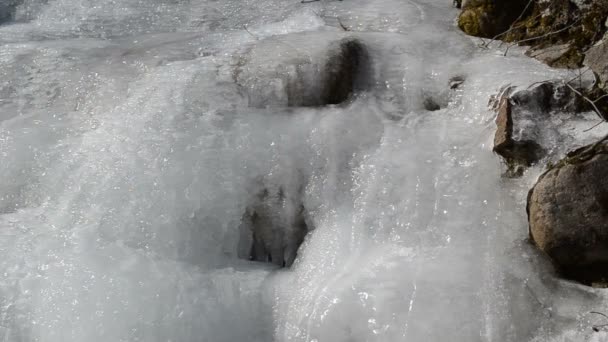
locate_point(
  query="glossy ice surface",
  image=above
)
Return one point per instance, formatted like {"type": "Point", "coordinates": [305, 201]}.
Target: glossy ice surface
{"type": "Point", "coordinates": [128, 155]}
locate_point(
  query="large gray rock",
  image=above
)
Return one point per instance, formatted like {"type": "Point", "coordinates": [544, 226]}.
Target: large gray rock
{"type": "Point", "coordinates": [517, 150]}
{"type": "Point", "coordinates": [550, 55]}
{"type": "Point", "coordinates": [487, 18]}
{"type": "Point", "coordinates": [525, 119]}
{"type": "Point", "coordinates": [568, 214]}
{"type": "Point", "coordinates": [597, 59]}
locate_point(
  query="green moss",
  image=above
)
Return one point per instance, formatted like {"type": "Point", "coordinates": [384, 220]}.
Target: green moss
{"type": "Point", "coordinates": [547, 21]}
{"type": "Point", "coordinates": [582, 154]}
{"type": "Point", "coordinates": [488, 18]}
{"type": "Point", "coordinates": [469, 23]}
{"type": "Point", "coordinates": [573, 59]}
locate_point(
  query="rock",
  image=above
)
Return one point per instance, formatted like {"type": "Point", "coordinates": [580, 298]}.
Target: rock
{"type": "Point", "coordinates": [550, 96]}
{"type": "Point", "coordinates": [518, 151]}
{"type": "Point", "coordinates": [578, 24]}
{"type": "Point", "coordinates": [568, 214]}
{"type": "Point", "coordinates": [559, 31]}
{"type": "Point", "coordinates": [520, 116]}
{"type": "Point", "coordinates": [303, 70]}
{"type": "Point", "coordinates": [488, 18]}
{"type": "Point", "coordinates": [558, 56]}
{"type": "Point", "coordinates": [597, 59]}
{"type": "Point", "coordinates": [273, 228]}
{"type": "Point", "coordinates": [455, 82]}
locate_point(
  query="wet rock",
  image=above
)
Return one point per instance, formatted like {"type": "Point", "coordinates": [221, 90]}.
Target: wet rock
{"type": "Point", "coordinates": [518, 151]}
{"type": "Point", "coordinates": [568, 214]}
{"type": "Point", "coordinates": [273, 228]}
{"type": "Point", "coordinates": [597, 59]}
{"type": "Point", "coordinates": [550, 96]}
{"type": "Point", "coordinates": [560, 31]}
{"type": "Point", "coordinates": [488, 18]}
{"type": "Point", "coordinates": [521, 117]}
{"type": "Point", "coordinates": [303, 70]}
{"type": "Point", "coordinates": [553, 55]}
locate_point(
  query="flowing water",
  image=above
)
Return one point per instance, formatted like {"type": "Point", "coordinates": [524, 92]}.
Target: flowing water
{"type": "Point", "coordinates": [129, 154]}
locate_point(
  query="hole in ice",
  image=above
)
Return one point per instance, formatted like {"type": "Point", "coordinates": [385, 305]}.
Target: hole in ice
{"type": "Point", "coordinates": [304, 72]}
{"type": "Point", "coordinates": [8, 9]}
{"type": "Point", "coordinates": [431, 104]}
{"type": "Point", "coordinates": [346, 70]}
{"type": "Point", "coordinates": [273, 227]}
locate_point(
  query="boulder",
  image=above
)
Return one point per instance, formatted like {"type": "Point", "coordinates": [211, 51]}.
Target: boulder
{"type": "Point", "coordinates": [518, 152]}
{"type": "Point", "coordinates": [303, 70]}
{"type": "Point", "coordinates": [488, 18]}
{"type": "Point", "coordinates": [558, 56]}
{"type": "Point", "coordinates": [597, 59]}
{"type": "Point", "coordinates": [568, 214]}
{"type": "Point", "coordinates": [522, 114]}
{"type": "Point", "coordinates": [558, 31]}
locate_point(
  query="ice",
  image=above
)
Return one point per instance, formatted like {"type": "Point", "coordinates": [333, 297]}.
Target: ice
{"type": "Point", "coordinates": [130, 154]}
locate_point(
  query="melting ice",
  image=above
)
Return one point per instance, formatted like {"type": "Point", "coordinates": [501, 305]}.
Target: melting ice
{"type": "Point", "coordinates": [130, 154]}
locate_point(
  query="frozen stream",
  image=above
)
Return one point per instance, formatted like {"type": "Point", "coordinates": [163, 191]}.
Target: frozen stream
{"type": "Point", "coordinates": [128, 155]}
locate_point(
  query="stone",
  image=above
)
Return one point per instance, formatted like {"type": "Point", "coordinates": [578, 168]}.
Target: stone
{"type": "Point", "coordinates": [559, 31]}
{"type": "Point", "coordinates": [488, 18]}
{"type": "Point", "coordinates": [552, 55]}
{"type": "Point", "coordinates": [455, 82]}
{"type": "Point", "coordinates": [568, 214]}
{"type": "Point", "coordinates": [524, 122]}
{"type": "Point", "coordinates": [518, 153]}
{"type": "Point", "coordinates": [597, 59]}
{"type": "Point", "coordinates": [550, 96]}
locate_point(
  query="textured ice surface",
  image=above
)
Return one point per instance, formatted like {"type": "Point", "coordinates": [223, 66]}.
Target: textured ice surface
{"type": "Point", "coordinates": [129, 155]}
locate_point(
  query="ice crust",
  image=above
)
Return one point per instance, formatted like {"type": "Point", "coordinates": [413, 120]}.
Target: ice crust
{"type": "Point", "coordinates": [129, 155]}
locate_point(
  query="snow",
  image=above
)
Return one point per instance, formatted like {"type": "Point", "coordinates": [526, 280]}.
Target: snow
{"type": "Point", "coordinates": [129, 155]}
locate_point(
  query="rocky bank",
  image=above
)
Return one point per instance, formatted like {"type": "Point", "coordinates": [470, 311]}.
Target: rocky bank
{"type": "Point", "coordinates": [568, 206]}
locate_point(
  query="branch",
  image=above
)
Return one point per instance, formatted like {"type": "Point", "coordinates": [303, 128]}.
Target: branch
{"type": "Point", "coordinates": [592, 127]}
{"type": "Point", "coordinates": [596, 110]}
{"type": "Point", "coordinates": [596, 327]}
{"type": "Point", "coordinates": [253, 35]}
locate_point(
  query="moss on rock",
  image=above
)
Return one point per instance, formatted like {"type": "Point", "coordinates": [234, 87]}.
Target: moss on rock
{"type": "Point", "coordinates": [557, 22]}
{"type": "Point", "coordinates": [487, 18]}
